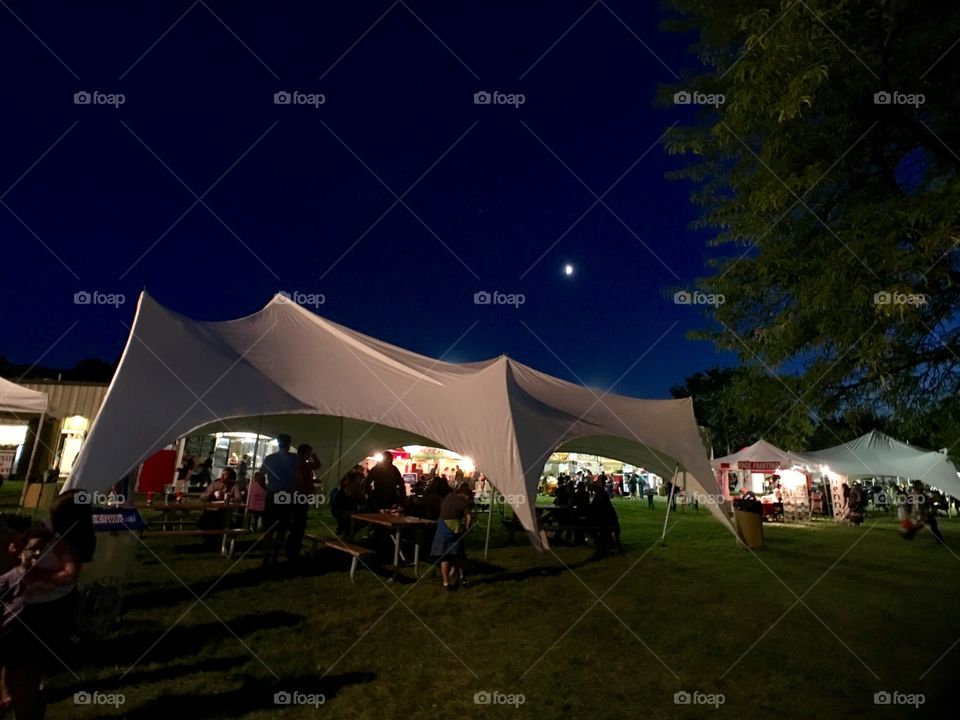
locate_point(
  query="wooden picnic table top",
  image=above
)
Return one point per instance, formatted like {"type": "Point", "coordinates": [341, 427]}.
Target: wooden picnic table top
{"type": "Point", "coordinates": [212, 505]}
{"type": "Point", "coordinates": [392, 521]}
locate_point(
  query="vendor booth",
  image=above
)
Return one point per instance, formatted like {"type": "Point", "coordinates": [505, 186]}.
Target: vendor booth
{"type": "Point", "coordinates": [879, 456]}
{"type": "Point", "coordinates": [779, 478]}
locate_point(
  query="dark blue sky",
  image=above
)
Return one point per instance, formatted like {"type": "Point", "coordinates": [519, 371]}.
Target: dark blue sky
{"type": "Point", "coordinates": [292, 204]}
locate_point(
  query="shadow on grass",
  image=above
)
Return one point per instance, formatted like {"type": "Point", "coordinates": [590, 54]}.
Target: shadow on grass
{"type": "Point", "coordinates": [162, 646]}
{"type": "Point", "coordinates": [237, 580]}
{"type": "Point", "coordinates": [255, 694]}
{"type": "Point", "coordinates": [61, 691]}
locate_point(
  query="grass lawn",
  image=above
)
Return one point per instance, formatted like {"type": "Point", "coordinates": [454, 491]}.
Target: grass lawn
{"type": "Point", "coordinates": [698, 614]}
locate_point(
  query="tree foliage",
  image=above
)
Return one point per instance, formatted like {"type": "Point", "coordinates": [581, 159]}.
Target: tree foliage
{"type": "Point", "coordinates": [837, 215]}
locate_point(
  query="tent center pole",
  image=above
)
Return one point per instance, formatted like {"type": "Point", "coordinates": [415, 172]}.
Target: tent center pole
{"type": "Point", "coordinates": [673, 489]}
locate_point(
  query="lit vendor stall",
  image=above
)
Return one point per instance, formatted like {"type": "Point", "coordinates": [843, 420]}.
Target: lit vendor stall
{"type": "Point", "coordinates": [779, 478]}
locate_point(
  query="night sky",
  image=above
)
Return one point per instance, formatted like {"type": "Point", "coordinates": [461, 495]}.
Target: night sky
{"type": "Point", "coordinates": [298, 197]}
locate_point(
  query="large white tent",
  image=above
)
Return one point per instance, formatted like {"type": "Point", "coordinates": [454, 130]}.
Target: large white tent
{"type": "Point", "coordinates": [878, 455]}
{"type": "Point", "coordinates": [16, 399]}
{"type": "Point", "coordinates": [285, 369]}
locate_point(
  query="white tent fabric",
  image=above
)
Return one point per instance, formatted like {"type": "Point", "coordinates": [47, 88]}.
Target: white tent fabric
{"type": "Point", "coordinates": [18, 399]}
{"type": "Point", "coordinates": [878, 455]}
{"type": "Point", "coordinates": [285, 369]}
{"type": "Point", "coordinates": [760, 452]}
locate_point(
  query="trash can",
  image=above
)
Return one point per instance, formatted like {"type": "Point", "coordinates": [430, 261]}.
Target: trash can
{"type": "Point", "coordinates": [748, 515]}
{"type": "Point", "coordinates": [102, 580]}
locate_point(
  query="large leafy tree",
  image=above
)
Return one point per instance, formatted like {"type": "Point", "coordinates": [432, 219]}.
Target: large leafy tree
{"type": "Point", "coordinates": [740, 405]}
{"type": "Point", "coordinates": [837, 214]}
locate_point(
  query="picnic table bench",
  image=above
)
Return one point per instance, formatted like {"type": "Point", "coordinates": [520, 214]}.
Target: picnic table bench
{"type": "Point", "coordinates": [226, 549]}
{"type": "Point", "coordinates": [334, 543]}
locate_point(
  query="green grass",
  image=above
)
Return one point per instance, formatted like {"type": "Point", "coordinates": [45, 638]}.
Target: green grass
{"type": "Point", "coordinates": [684, 616]}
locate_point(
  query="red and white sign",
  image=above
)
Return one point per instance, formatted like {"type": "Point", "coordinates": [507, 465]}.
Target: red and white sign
{"type": "Point", "coordinates": [6, 462]}
{"type": "Point", "coordinates": [758, 465]}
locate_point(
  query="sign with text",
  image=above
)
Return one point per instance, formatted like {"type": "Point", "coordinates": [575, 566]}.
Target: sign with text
{"type": "Point", "coordinates": [6, 462]}
{"type": "Point", "coordinates": [758, 465]}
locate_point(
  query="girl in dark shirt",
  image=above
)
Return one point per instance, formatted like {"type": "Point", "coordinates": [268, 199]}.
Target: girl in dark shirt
{"type": "Point", "coordinates": [456, 518]}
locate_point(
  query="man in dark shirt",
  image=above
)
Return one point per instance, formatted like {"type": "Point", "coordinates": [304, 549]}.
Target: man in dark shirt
{"type": "Point", "coordinates": [386, 484]}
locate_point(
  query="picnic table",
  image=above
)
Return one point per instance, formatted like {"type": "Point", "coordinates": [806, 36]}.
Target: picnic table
{"type": "Point", "coordinates": [181, 509]}
{"type": "Point", "coordinates": [546, 514]}
{"type": "Point", "coordinates": [396, 524]}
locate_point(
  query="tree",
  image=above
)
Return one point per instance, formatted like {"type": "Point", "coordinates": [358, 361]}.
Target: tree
{"type": "Point", "coordinates": [829, 177]}
{"type": "Point", "coordinates": [741, 405]}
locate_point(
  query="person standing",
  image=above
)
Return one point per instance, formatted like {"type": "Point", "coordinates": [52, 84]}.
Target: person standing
{"type": "Point", "coordinates": [456, 518]}
{"type": "Point", "coordinates": [281, 470]}
{"type": "Point", "coordinates": [301, 500]}
{"type": "Point", "coordinates": [242, 469]}
{"type": "Point", "coordinates": [386, 484]}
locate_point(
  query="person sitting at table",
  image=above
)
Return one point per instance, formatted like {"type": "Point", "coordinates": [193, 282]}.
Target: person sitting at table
{"type": "Point", "coordinates": [347, 499]}
{"type": "Point", "coordinates": [226, 488]}
{"type": "Point", "coordinates": [456, 518]}
{"type": "Point", "coordinates": [579, 513]}
{"type": "Point", "coordinates": [432, 500]}
{"type": "Point", "coordinates": [385, 484]}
